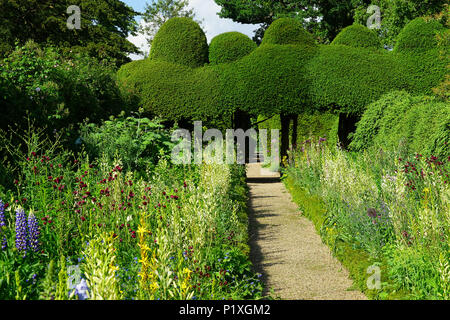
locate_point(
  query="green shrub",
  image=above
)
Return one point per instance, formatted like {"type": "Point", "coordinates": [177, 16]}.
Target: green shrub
{"type": "Point", "coordinates": [418, 35]}
{"type": "Point", "coordinates": [350, 78]}
{"type": "Point", "coordinates": [172, 91]}
{"type": "Point", "coordinates": [408, 123]}
{"type": "Point", "coordinates": [358, 36]}
{"type": "Point", "coordinates": [139, 143]}
{"type": "Point", "coordinates": [56, 91]}
{"type": "Point", "coordinates": [287, 31]}
{"type": "Point", "coordinates": [181, 41]}
{"type": "Point", "coordinates": [268, 81]}
{"type": "Point", "coordinates": [230, 46]}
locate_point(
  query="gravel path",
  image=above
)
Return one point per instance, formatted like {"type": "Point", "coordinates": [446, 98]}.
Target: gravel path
{"type": "Point", "coordinates": [285, 247]}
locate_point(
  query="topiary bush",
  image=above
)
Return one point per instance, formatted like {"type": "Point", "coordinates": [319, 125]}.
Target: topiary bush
{"type": "Point", "coordinates": [348, 79]}
{"type": "Point", "coordinates": [230, 46]}
{"type": "Point", "coordinates": [287, 74]}
{"type": "Point", "coordinates": [181, 41]}
{"type": "Point", "coordinates": [358, 36]}
{"type": "Point", "coordinates": [270, 80]}
{"type": "Point", "coordinates": [287, 31]}
{"type": "Point", "coordinates": [400, 121]}
{"type": "Point", "coordinates": [418, 36]}
{"type": "Point", "coordinates": [172, 91]}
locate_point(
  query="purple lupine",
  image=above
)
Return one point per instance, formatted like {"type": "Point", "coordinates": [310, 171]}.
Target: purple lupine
{"type": "Point", "coordinates": [2, 214]}
{"type": "Point", "coordinates": [2, 224]}
{"type": "Point", "coordinates": [21, 230]}
{"type": "Point", "coordinates": [33, 232]}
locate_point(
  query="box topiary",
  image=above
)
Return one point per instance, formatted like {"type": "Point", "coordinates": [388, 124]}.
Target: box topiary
{"type": "Point", "coordinates": [230, 46]}
{"type": "Point", "coordinates": [358, 36]}
{"type": "Point", "coordinates": [181, 41]}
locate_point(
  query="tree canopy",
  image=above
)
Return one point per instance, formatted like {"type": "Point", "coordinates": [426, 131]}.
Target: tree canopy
{"type": "Point", "coordinates": [105, 26]}
{"type": "Point", "coordinates": [158, 12]}
{"type": "Point", "coordinates": [396, 14]}
{"type": "Point", "coordinates": [323, 18]}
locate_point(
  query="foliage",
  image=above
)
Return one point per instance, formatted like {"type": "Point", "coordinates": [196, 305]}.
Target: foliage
{"type": "Point", "coordinates": [229, 47]}
{"type": "Point", "coordinates": [401, 121]}
{"type": "Point", "coordinates": [324, 19]}
{"type": "Point", "coordinates": [350, 78]}
{"type": "Point", "coordinates": [172, 91]}
{"type": "Point", "coordinates": [358, 36]}
{"type": "Point", "coordinates": [181, 41]}
{"type": "Point", "coordinates": [287, 31]}
{"type": "Point", "coordinates": [396, 14]}
{"type": "Point", "coordinates": [288, 78]}
{"type": "Point", "coordinates": [419, 35]}
{"type": "Point", "coordinates": [268, 81]}
{"type": "Point", "coordinates": [158, 12]}
{"type": "Point", "coordinates": [105, 26]}
{"type": "Point", "coordinates": [139, 142]}
{"type": "Point", "coordinates": [56, 91]}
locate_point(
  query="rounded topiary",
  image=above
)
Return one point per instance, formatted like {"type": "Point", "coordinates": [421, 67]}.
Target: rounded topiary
{"type": "Point", "coordinates": [419, 35]}
{"type": "Point", "coordinates": [181, 41]}
{"type": "Point", "coordinates": [358, 36]}
{"type": "Point", "coordinates": [230, 46]}
{"type": "Point", "coordinates": [405, 123]}
{"type": "Point", "coordinates": [287, 31]}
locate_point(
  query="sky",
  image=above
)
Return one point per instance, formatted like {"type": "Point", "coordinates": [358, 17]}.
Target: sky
{"type": "Point", "coordinates": [205, 10]}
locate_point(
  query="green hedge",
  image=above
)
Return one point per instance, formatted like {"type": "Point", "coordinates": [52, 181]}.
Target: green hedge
{"type": "Point", "coordinates": [287, 31]}
{"type": "Point", "coordinates": [229, 47]}
{"type": "Point", "coordinates": [288, 73]}
{"type": "Point", "coordinates": [349, 78]}
{"type": "Point", "coordinates": [268, 81]}
{"type": "Point", "coordinates": [358, 36]}
{"type": "Point", "coordinates": [181, 41]}
{"type": "Point", "coordinates": [418, 36]}
{"type": "Point", "coordinates": [405, 123]}
{"type": "Point", "coordinates": [172, 91]}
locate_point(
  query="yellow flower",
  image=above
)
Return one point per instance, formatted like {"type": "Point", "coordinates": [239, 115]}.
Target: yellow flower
{"type": "Point", "coordinates": [141, 230]}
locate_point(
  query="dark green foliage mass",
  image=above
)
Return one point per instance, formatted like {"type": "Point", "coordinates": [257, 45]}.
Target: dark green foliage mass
{"type": "Point", "coordinates": [358, 36]}
{"type": "Point", "coordinates": [406, 123]}
{"type": "Point", "coordinates": [172, 91]}
{"type": "Point", "coordinates": [229, 47]}
{"type": "Point", "coordinates": [288, 74]}
{"type": "Point", "coordinates": [105, 26]}
{"type": "Point", "coordinates": [180, 41]}
{"type": "Point", "coordinates": [350, 78]}
{"type": "Point", "coordinates": [56, 91]}
{"type": "Point", "coordinates": [268, 81]}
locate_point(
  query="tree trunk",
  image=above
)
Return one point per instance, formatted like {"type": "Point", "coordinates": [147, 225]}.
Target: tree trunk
{"type": "Point", "coordinates": [285, 121]}
{"type": "Point", "coordinates": [294, 131]}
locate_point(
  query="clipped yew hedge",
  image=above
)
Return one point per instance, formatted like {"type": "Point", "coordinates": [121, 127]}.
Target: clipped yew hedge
{"type": "Point", "coordinates": [287, 74]}
{"type": "Point", "coordinates": [406, 123]}
{"type": "Point", "coordinates": [287, 31]}
{"type": "Point", "coordinates": [358, 36]}
{"type": "Point", "coordinates": [180, 41]}
{"type": "Point", "coordinates": [418, 35]}
{"type": "Point", "coordinates": [229, 47]}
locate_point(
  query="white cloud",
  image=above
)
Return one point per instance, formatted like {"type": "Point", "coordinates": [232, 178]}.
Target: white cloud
{"type": "Point", "coordinates": [213, 25]}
